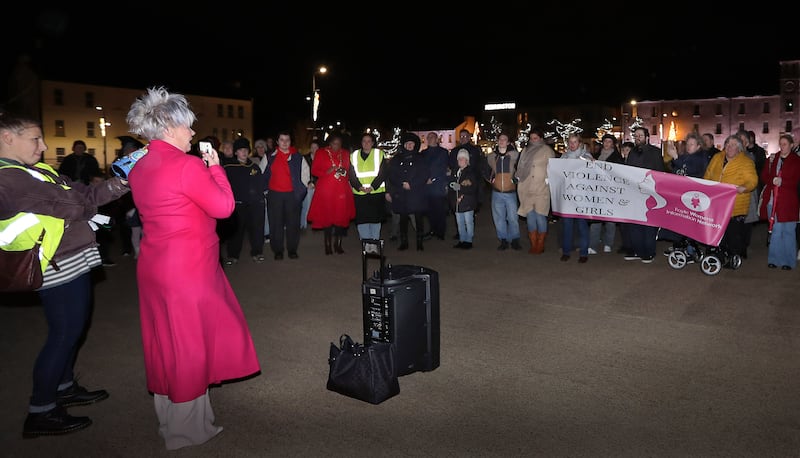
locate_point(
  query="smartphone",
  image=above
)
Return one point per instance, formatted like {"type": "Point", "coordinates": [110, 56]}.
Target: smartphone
{"type": "Point", "coordinates": [205, 147]}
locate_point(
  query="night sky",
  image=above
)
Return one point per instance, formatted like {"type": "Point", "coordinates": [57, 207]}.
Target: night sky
{"type": "Point", "coordinates": [411, 64]}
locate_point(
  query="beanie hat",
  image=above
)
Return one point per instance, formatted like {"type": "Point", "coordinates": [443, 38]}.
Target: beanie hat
{"type": "Point", "coordinates": [241, 142]}
{"type": "Point", "coordinates": [463, 153]}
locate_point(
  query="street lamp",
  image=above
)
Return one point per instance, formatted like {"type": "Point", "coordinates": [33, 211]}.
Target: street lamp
{"type": "Point", "coordinates": [103, 125]}
{"type": "Point", "coordinates": [315, 95]}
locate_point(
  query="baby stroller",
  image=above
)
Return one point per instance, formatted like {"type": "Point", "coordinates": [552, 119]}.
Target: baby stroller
{"type": "Point", "coordinates": [711, 259]}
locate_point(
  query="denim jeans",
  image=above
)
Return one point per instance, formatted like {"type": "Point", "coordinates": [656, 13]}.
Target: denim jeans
{"type": "Point", "coordinates": [66, 309]}
{"type": "Point", "coordinates": [304, 210]}
{"type": "Point", "coordinates": [369, 231]}
{"type": "Point", "coordinates": [537, 222]}
{"type": "Point", "coordinates": [602, 231]}
{"type": "Point", "coordinates": [466, 226]}
{"type": "Point", "coordinates": [569, 225]}
{"type": "Point", "coordinates": [782, 249]}
{"type": "Point", "coordinates": [504, 215]}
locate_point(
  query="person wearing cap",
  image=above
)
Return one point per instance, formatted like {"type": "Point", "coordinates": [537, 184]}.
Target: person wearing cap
{"type": "Point", "coordinates": [463, 196]}
{"type": "Point", "coordinates": [285, 195]}
{"type": "Point", "coordinates": [248, 187]}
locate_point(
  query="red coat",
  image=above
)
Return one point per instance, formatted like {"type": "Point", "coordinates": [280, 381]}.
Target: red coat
{"type": "Point", "coordinates": [194, 332]}
{"type": "Point", "coordinates": [333, 203]}
{"type": "Point", "coordinates": [788, 206]}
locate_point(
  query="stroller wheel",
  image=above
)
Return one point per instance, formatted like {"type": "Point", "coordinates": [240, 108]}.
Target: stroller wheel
{"type": "Point", "coordinates": [736, 261]}
{"type": "Point", "coordinates": [711, 265]}
{"type": "Point", "coordinates": [677, 259]}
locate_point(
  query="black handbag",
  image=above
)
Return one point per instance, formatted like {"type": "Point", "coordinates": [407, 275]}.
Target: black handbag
{"type": "Point", "coordinates": [366, 373]}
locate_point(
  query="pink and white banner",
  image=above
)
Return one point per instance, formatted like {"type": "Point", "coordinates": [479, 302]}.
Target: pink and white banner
{"type": "Point", "coordinates": [696, 208]}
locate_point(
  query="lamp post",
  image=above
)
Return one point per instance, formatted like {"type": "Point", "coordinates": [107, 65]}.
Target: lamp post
{"type": "Point", "coordinates": [103, 125]}
{"type": "Point", "coordinates": [315, 95]}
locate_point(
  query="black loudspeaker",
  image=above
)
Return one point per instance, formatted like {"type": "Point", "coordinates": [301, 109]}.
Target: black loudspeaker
{"type": "Point", "coordinates": [401, 307]}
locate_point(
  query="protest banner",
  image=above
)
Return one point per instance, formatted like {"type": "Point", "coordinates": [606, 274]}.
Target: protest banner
{"type": "Point", "coordinates": [598, 190]}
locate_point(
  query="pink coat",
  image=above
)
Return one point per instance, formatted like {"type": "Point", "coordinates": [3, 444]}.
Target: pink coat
{"type": "Point", "coordinates": [194, 332]}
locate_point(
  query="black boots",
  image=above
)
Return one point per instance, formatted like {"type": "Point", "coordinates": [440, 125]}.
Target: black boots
{"type": "Point", "coordinates": [337, 244]}
{"type": "Point", "coordinates": [53, 422]}
{"type": "Point", "coordinates": [77, 395]}
{"type": "Point", "coordinates": [403, 242]}
{"type": "Point", "coordinates": [420, 238]}
{"type": "Point", "coordinates": [328, 244]}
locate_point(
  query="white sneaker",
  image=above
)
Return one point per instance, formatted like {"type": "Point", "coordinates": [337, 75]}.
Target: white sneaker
{"type": "Point", "coordinates": [591, 251]}
{"type": "Point", "coordinates": [606, 249]}
{"type": "Point", "coordinates": [633, 258]}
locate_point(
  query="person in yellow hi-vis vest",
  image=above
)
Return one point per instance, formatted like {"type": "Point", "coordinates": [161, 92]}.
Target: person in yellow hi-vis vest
{"type": "Point", "coordinates": [33, 196]}
{"type": "Point", "coordinates": [368, 172]}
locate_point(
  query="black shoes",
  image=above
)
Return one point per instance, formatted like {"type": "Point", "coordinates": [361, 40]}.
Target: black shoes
{"type": "Point", "coordinates": [278, 256]}
{"type": "Point", "coordinates": [53, 422]}
{"type": "Point", "coordinates": [515, 245]}
{"type": "Point", "coordinates": [293, 255]}
{"type": "Point", "coordinates": [77, 395]}
{"type": "Point", "coordinates": [503, 246]}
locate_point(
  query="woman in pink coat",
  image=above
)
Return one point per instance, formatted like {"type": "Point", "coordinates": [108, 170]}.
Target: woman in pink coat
{"type": "Point", "coordinates": [194, 332]}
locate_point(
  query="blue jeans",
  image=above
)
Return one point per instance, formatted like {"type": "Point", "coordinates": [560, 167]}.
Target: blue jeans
{"type": "Point", "coordinates": [602, 231]}
{"type": "Point", "coordinates": [583, 236]}
{"type": "Point", "coordinates": [537, 222]}
{"type": "Point", "coordinates": [466, 226]}
{"type": "Point", "coordinates": [782, 249]}
{"type": "Point", "coordinates": [369, 231]}
{"type": "Point", "coordinates": [504, 214]}
{"type": "Point", "coordinates": [304, 210]}
{"type": "Point", "coordinates": [66, 309]}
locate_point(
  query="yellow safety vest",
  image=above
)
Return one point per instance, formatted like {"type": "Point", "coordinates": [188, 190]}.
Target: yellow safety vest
{"type": "Point", "coordinates": [367, 170]}
{"type": "Point", "coordinates": [22, 231]}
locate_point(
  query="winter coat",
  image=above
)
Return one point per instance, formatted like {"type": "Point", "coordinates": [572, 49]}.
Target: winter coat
{"type": "Point", "coordinates": [532, 187]}
{"type": "Point", "coordinates": [408, 166]}
{"type": "Point", "coordinates": [787, 207]}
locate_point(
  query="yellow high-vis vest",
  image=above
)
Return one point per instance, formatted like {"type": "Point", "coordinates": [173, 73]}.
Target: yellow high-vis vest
{"type": "Point", "coordinates": [21, 231]}
{"type": "Point", "coordinates": [367, 170]}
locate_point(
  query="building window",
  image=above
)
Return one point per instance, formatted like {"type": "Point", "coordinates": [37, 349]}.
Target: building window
{"type": "Point", "coordinates": [90, 100]}
{"type": "Point", "coordinates": [653, 113]}
{"type": "Point", "coordinates": [696, 128]}
{"type": "Point", "coordinates": [220, 110]}
{"type": "Point", "coordinates": [230, 111]}
{"type": "Point", "coordinates": [90, 129]}
{"type": "Point", "coordinates": [765, 128]}
{"type": "Point", "coordinates": [215, 132]}
{"type": "Point", "coordinates": [788, 106]}
{"type": "Point", "coordinates": [696, 110]}
{"type": "Point", "coordinates": [60, 153]}
{"type": "Point", "coordinates": [91, 151]}
{"type": "Point", "coordinates": [224, 135]}
{"type": "Point", "coordinates": [58, 97]}
{"type": "Point", "coordinates": [718, 129]}
{"type": "Point", "coordinates": [766, 107]}
{"type": "Point", "coordinates": [60, 129]}
{"type": "Point", "coordinates": [240, 111]}
{"type": "Point", "coordinates": [741, 109]}
{"type": "Point", "coordinates": [718, 110]}
{"type": "Point", "coordinates": [741, 126]}
{"type": "Point", "coordinates": [653, 129]}
{"type": "Point", "coordinates": [788, 126]}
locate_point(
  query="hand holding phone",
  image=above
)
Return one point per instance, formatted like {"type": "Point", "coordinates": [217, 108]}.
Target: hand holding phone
{"type": "Point", "coordinates": [205, 147]}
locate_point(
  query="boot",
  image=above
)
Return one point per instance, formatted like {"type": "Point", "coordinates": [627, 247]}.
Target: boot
{"type": "Point", "coordinates": [532, 236]}
{"type": "Point", "coordinates": [420, 239]}
{"type": "Point", "coordinates": [540, 242]}
{"type": "Point", "coordinates": [337, 245]}
{"type": "Point", "coordinates": [328, 247]}
{"type": "Point", "coordinates": [515, 245]}
{"type": "Point", "coordinates": [403, 242]}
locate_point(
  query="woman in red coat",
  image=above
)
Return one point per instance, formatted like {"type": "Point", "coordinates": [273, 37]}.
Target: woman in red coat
{"type": "Point", "coordinates": [194, 332]}
{"type": "Point", "coordinates": [332, 207]}
{"type": "Point", "coordinates": [779, 200]}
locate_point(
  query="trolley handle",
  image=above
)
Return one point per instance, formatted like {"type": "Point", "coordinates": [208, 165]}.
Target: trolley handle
{"type": "Point", "coordinates": [372, 246]}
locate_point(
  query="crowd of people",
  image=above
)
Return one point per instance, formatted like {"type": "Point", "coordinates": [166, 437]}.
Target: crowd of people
{"type": "Point", "coordinates": [195, 212]}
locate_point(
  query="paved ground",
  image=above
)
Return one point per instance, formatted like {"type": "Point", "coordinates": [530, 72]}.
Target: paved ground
{"type": "Point", "coordinates": [538, 358]}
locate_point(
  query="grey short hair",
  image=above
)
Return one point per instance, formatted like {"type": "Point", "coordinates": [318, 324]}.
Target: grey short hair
{"type": "Point", "coordinates": [158, 110]}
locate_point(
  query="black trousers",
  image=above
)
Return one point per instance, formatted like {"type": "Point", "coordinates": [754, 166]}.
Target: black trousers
{"type": "Point", "coordinates": [247, 219]}
{"type": "Point", "coordinates": [735, 239]}
{"type": "Point", "coordinates": [419, 224]}
{"type": "Point", "coordinates": [437, 214]}
{"type": "Point", "coordinates": [283, 211]}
